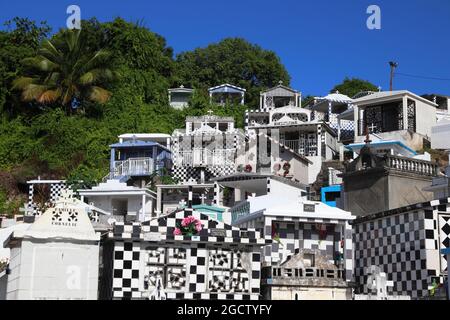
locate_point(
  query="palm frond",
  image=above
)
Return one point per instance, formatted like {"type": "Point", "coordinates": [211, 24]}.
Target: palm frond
{"type": "Point", "coordinates": [99, 95]}
{"type": "Point", "coordinates": [71, 38]}
{"type": "Point", "coordinates": [33, 92]}
{"type": "Point", "coordinates": [96, 75]}
{"type": "Point", "coordinates": [100, 58]}
{"type": "Point", "coordinates": [49, 96]}
{"type": "Point", "coordinates": [67, 97]}
{"type": "Point", "coordinates": [22, 82]}
{"type": "Point", "coordinates": [49, 51]}
{"type": "Point", "coordinates": [39, 62]}
{"type": "Point", "coordinates": [52, 78]}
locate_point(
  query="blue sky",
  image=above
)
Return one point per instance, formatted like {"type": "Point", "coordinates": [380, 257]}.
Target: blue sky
{"type": "Point", "coordinates": [320, 42]}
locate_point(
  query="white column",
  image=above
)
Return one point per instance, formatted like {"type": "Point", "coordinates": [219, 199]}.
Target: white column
{"type": "Point", "coordinates": [143, 207]}
{"type": "Point", "coordinates": [158, 201]}
{"type": "Point", "coordinates": [341, 153]}
{"type": "Point", "coordinates": [202, 176]}
{"type": "Point", "coordinates": [319, 142]}
{"type": "Point", "coordinates": [348, 252]}
{"type": "Point", "coordinates": [405, 112]}
{"type": "Point", "coordinates": [242, 97]}
{"type": "Point", "coordinates": [356, 120]}
{"type": "Point", "coordinates": [329, 111]}
{"type": "Point", "coordinates": [339, 128]}
{"type": "Point", "coordinates": [237, 195]}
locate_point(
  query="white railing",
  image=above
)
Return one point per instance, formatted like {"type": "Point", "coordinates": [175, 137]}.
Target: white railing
{"type": "Point", "coordinates": [292, 144]}
{"type": "Point", "coordinates": [306, 147]}
{"type": "Point", "coordinates": [133, 167]}
{"type": "Point", "coordinates": [412, 165]}
{"type": "Point", "coordinates": [205, 157]}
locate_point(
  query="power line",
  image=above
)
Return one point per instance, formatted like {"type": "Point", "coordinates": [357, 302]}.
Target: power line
{"type": "Point", "coordinates": [421, 77]}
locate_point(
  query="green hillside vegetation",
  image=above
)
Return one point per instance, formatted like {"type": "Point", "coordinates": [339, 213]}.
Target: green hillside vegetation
{"type": "Point", "coordinates": [64, 97]}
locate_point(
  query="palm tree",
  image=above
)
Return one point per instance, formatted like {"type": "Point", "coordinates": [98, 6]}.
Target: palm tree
{"type": "Point", "coordinates": [67, 73]}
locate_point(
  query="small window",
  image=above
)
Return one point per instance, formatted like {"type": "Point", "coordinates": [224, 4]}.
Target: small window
{"type": "Point", "coordinates": [308, 260]}
{"type": "Point", "coordinates": [223, 127]}
{"type": "Point", "coordinates": [332, 196]}
{"type": "Point", "coordinates": [119, 207]}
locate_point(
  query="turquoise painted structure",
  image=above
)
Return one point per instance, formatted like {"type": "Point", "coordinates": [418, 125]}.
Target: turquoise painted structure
{"type": "Point", "coordinates": [214, 212]}
{"type": "Point", "coordinates": [329, 194]}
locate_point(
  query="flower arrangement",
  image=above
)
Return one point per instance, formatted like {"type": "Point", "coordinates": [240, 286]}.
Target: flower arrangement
{"type": "Point", "coordinates": [248, 168]}
{"type": "Point", "coordinates": [321, 230]}
{"type": "Point", "coordinates": [3, 264]}
{"type": "Point", "coordinates": [189, 226]}
{"type": "Point", "coordinates": [286, 167]}
{"type": "Point", "coordinates": [276, 167]}
{"type": "Point", "coordinates": [275, 234]}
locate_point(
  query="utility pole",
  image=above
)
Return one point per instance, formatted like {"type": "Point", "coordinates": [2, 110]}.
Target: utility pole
{"type": "Point", "coordinates": [393, 66]}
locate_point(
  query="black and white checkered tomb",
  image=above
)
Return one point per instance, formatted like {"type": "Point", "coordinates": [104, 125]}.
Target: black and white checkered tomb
{"type": "Point", "coordinates": [405, 244]}
{"type": "Point", "coordinates": [222, 262]}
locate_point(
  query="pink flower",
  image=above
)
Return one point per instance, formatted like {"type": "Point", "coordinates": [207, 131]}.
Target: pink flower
{"type": "Point", "coordinates": [198, 226]}
{"type": "Point", "coordinates": [177, 232]}
{"type": "Point", "coordinates": [187, 221]}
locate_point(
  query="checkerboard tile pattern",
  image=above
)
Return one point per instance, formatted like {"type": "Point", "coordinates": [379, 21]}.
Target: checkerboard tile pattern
{"type": "Point", "coordinates": [444, 238]}
{"type": "Point", "coordinates": [405, 243]}
{"type": "Point", "coordinates": [126, 269]}
{"type": "Point", "coordinates": [302, 233]}
{"type": "Point", "coordinates": [54, 193]}
{"type": "Point", "coordinates": [212, 265]}
{"type": "Point", "coordinates": [187, 174]}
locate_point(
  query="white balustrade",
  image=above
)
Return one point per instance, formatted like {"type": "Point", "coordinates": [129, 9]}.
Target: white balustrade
{"type": "Point", "coordinates": [205, 157]}
{"type": "Point", "coordinates": [412, 165]}
{"type": "Point", "coordinates": [133, 166]}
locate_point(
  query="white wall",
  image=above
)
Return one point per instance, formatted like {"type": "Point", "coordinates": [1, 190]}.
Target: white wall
{"type": "Point", "coordinates": [425, 118]}
{"type": "Point", "coordinates": [134, 203]}
{"type": "Point", "coordinates": [53, 270]}
{"type": "Point", "coordinates": [298, 170]}
{"type": "Point", "coordinates": [440, 135]}
{"type": "Point", "coordinates": [284, 190]}
{"type": "Point", "coordinates": [12, 289]}
{"type": "Point", "coordinates": [314, 168]}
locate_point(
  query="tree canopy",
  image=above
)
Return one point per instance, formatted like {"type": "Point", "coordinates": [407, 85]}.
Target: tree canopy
{"type": "Point", "coordinates": [352, 86]}
{"type": "Point", "coordinates": [234, 61]}
{"type": "Point", "coordinates": [68, 73]}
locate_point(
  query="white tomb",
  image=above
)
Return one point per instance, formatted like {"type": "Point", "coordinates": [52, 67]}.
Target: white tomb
{"type": "Point", "coordinates": [57, 257]}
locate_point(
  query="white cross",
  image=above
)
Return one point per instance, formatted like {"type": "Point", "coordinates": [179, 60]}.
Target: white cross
{"type": "Point", "coordinates": [182, 203]}
{"type": "Point", "coordinates": [203, 198]}
{"type": "Point", "coordinates": [210, 112]}
{"type": "Point", "coordinates": [372, 127]}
